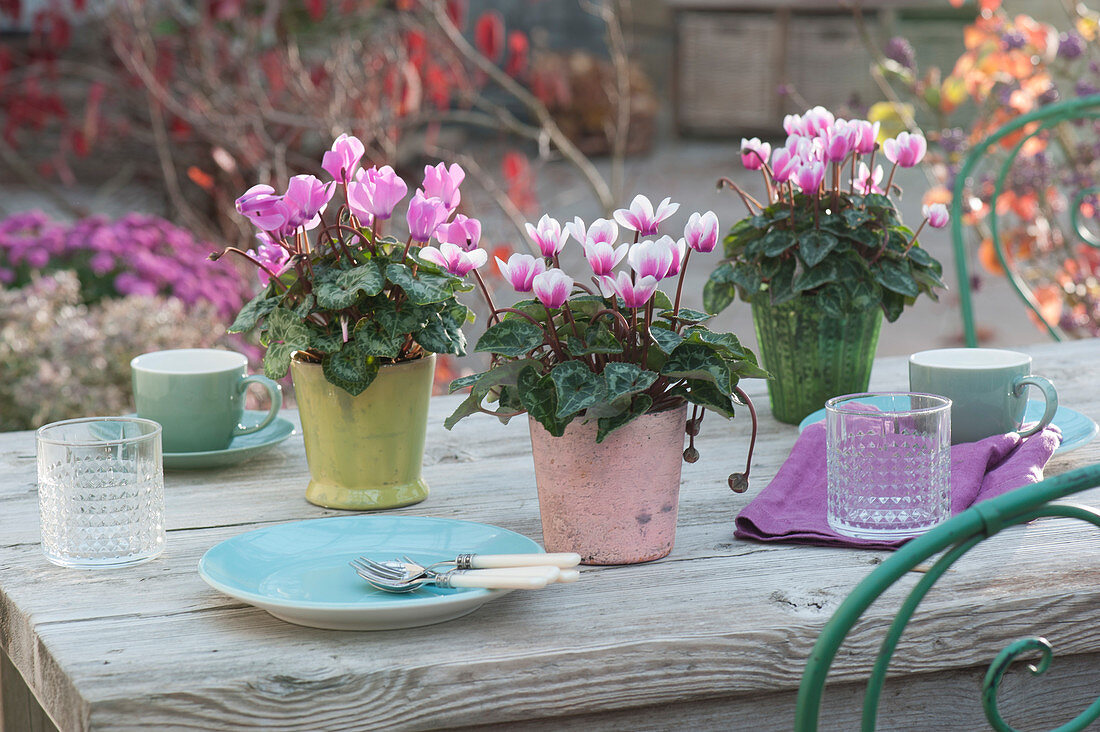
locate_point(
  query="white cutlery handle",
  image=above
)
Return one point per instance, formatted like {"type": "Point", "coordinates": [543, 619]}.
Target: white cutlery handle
{"type": "Point", "coordinates": [494, 561]}
{"type": "Point", "coordinates": [496, 581]}
{"type": "Point", "coordinates": [569, 575]}
{"type": "Point", "coordinates": [552, 574]}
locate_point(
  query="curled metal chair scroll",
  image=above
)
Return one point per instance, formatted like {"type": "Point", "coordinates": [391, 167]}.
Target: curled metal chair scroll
{"type": "Point", "coordinates": [1045, 122]}
{"type": "Point", "coordinates": [954, 538]}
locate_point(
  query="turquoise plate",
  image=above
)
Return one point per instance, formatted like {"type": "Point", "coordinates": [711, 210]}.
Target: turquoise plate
{"type": "Point", "coordinates": [1077, 429]}
{"type": "Point", "coordinates": [240, 449]}
{"type": "Point", "coordinates": [299, 572]}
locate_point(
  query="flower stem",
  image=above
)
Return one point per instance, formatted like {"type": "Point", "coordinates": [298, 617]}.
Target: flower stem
{"type": "Point", "coordinates": [748, 200]}
{"type": "Point", "coordinates": [215, 256]}
{"type": "Point", "coordinates": [890, 182]}
{"type": "Point", "coordinates": [680, 284]}
{"type": "Point", "coordinates": [405, 254]}
{"type": "Point", "coordinates": [488, 298]}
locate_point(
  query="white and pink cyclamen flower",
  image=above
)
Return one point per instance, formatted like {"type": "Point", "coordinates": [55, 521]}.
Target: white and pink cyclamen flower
{"type": "Point", "coordinates": [754, 153]}
{"type": "Point", "coordinates": [701, 231]}
{"type": "Point", "coordinates": [936, 214]}
{"type": "Point", "coordinates": [809, 177]}
{"type": "Point", "coordinates": [634, 294]}
{"type": "Point", "coordinates": [784, 164]}
{"type": "Point", "coordinates": [453, 258]}
{"type": "Point", "coordinates": [520, 270]}
{"type": "Point", "coordinates": [548, 236]}
{"type": "Point", "coordinates": [905, 150]}
{"type": "Point", "coordinates": [641, 216]}
{"type": "Point", "coordinates": [658, 258]}
{"type": "Point", "coordinates": [552, 287]}
{"type": "Point", "coordinates": [865, 182]}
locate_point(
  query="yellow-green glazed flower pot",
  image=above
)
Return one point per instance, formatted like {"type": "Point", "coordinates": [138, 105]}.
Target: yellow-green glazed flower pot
{"type": "Point", "coordinates": [365, 451]}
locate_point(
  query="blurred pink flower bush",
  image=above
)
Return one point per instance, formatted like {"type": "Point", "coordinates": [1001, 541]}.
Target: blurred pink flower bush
{"type": "Point", "coordinates": [135, 255]}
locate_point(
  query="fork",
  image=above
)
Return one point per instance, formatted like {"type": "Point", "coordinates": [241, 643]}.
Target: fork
{"type": "Point", "coordinates": [561, 575]}
{"type": "Point", "coordinates": [387, 579]}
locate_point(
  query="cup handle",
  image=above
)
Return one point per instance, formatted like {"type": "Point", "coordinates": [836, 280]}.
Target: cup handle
{"type": "Point", "coordinates": [1049, 395]}
{"type": "Point", "coordinates": [276, 393]}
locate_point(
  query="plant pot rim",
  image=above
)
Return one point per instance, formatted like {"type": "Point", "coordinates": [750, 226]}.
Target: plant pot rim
{"type": "Point", "coordinates": [409, 363]}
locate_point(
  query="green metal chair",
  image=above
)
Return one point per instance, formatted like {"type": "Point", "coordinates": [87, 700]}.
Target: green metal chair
{"type": "Point", "coordinates": [1045, 119]}
{"type": "Point", "coordinates": [954, 538]}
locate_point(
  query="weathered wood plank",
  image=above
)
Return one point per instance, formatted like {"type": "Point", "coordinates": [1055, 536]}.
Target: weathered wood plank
{"type": "Point", "coordinates": [717, 632]}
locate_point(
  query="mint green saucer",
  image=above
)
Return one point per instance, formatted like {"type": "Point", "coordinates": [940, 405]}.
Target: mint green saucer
{"type": "Point", "coordinates": [240, 449]}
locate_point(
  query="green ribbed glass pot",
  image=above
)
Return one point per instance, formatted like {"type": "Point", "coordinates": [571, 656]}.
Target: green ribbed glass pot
{"type": "Point", "coordinates": [813, 356]}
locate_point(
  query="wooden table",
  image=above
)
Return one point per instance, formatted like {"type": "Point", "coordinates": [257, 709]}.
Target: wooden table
{"type": "Point", "coordinates": [715, 636]}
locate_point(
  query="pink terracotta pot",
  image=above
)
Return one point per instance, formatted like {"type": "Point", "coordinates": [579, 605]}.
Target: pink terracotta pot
{"type": "Point", "coordinates": [613, 502]}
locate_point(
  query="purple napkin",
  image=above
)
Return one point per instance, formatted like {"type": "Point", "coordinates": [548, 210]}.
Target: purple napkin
{"type": "Point", "coordinates": [792, 507]}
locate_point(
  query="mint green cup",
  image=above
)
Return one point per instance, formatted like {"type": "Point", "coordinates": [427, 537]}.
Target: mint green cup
{"type": "Point", "coordinates": [987, 388]}
{"type": "Point", "coordinates": [197, 396]}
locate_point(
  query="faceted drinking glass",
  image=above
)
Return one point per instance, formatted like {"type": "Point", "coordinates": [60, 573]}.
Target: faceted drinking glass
{"type": "Point", "coordinates": [101, 491]}
{"type": "Point", "coordinates": [889, 464]}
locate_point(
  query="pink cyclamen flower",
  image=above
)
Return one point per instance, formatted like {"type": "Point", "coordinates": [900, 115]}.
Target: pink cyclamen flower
{"type": "Point", "coordinates": [701, 232]}
{"type": "Point", "coordinates": [552, 287]}
{"type": "Point", "coordinates": [792, 124]}
{"type": "Point", "coordinates": [461, 231]}
{"type": "Point", "coordinates": [266, 210]}
{"type": "Point", "coordinates": [642, 218]}
{"type": "Point", "coordinates": [837, 139]}
{"type": "Point", "coordinates": [809, 177]}
{"type": "Point", "coordinates": [906, 149]}
{"type": "Point", "coordinates": [375, 192]}
{"type": "Point", "coordinates": [577, 229]}
{"type": "Point", "coordinates": [272, 256]}
{"type": "Point", "coordinates": [936, 214]}
{"type": "Point", "coordinates": [815, 121]}
{"type": "Point", "coordinates": [442, 183]}
{"type": "Point", "coordinates": [341, 161]}
{"type": "Point", "coordinates": [602, 231]}
{"type": "Point", "coordinates": [548, 235]}
{"type": "Point", "coordinates": [649, 258]}
{"type": "Point", "coordinates": [784, 164]}
{"type": "Point", "coordinates": [425, 215]}
{"type": "Point", "coordinates": [754, 153]}
{"type": "Point", "coordinates": [454, 258]}
{"type": "Point", "coordinates": [865, 182]}
{"type": "Point", "coordinates": [520, 270]}
{"type": "Point", "coordinates": [866, 136]}
{"type": "Point", "coordinates": [679, 250]}
{"type": "Point", "coordinates": [634, 294]}
{"type": "Point", "coordinates": [603, 256]}
{"type": "Point", "coordinates": [806, 149]}
{"type": "Point", "coordinates": [308, 198]}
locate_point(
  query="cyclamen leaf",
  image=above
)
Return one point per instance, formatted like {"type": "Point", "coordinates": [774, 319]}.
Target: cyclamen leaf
{"type": "Point", "coordinates": [777, 241]}
{"type": "Point", "coordinates": [705, 394]}
{"type": "Point", "coordinates": [698, 361]}
{"type": "Point", "coordinates": [598, 338]}
{"type": "Point", "coordinates": [727, 343]}
{"type": "Point", "coordinates": [424, 287]}
{"type": "Point", "coordinates": [719, 291]}
{"type": "Point", "coordinates": [814, 246]}
{"type": "Point", "coordinates": [896, 278]}
{"type": "Point", "coordinates": [277, 360]}
{"type": "Point", "coordinates": [687, 315]}
{"type": "Point", "coordinates": [510, 338]}
{"type": "Point", "coordinates": [665, 338]}
{"type": "Point", "coordinates": [350, 369]}
{"type": "Point", "coordinates": [625, 378]}
{"type": "Point", "coordinates": [638, 406]}
{"type": "Point", "coordinates": [252, 311]}
{"type": "Point", "coordinates": [577, 387]}
{"type": "Point", "coordinates": [538, 395]}
{"type": "Point", "coordinates": [815, 276]}
{"type": "Point", "coordinates": [285, 328]}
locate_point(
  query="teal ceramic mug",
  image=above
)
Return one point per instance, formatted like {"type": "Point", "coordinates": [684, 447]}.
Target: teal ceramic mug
{"type": "Point", "coordinates": [197, 396]}
{"type": "Point", "coordinates": [987, 388]}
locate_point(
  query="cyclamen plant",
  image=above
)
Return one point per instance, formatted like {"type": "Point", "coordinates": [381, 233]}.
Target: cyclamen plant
{"type": "Point", "coordinates": [837, 239]}
{"type": "Point", "coordinates": [349, 297]}
{"type": "Point", "coordinates": [617, 349]}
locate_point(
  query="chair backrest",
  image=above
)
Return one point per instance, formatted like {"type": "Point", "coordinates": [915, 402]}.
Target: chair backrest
{"type": "Point", "coordinates": [955, 538]}
{"type": "Point", "coordinates": [1017, 134]}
